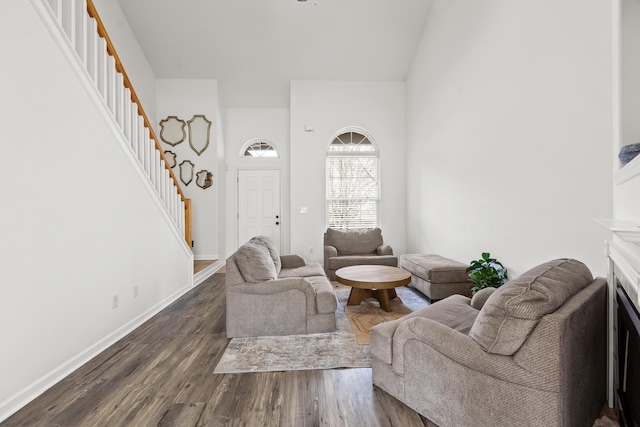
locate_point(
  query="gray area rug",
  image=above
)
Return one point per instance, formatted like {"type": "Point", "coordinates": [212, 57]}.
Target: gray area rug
{"type": "Point", "coordinates": [331, 350]}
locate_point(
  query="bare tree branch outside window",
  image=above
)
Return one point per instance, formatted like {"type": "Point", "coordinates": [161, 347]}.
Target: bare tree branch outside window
{"type": "Point", "coordinates": [353, 188]}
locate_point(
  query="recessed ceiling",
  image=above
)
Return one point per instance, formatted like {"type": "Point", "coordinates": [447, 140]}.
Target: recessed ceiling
{"type": "Point", "coordinates": [254, 48]}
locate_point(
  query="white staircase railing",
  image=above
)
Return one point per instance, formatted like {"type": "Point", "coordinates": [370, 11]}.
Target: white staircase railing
{"type": "Point", "coordinates": [88, 42]}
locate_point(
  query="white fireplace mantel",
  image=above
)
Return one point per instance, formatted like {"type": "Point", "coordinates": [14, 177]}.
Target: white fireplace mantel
{"type": "Point", "coordinates": [626, 230]}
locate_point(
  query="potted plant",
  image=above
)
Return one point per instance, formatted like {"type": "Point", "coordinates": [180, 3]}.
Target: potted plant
{"type": "Point", "coordinates": [487, 272]}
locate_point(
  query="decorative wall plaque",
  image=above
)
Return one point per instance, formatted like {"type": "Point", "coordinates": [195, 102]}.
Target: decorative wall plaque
{"type": "Point", "coordinates": [171, 158]}
{"type": "Point", "coordinates": [186, 172]}
{"type": "Point", "coordinates": [199, 128]}
{"type": "Point", "coordinates": [172, 130]}
{"type": "Point", "coordinates": [204, 179]}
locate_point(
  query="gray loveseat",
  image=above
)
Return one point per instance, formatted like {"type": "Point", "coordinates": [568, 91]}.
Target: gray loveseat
{"type": "Point", "coordinates": [269, 294]}
{"type": "Point", "coordinates": [364, 246]}
{"type": "Point", "coordinates": [531, 353]}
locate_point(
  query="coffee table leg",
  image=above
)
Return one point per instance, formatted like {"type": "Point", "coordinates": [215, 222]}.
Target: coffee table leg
{"type": "Point", "coordinates": [357, 295]}
{"type": "Point", "coordinates": [383, 297]}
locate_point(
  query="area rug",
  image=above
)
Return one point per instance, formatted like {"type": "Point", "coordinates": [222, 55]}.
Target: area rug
{"type": "Point", "coordinates": [337, 349]}
{"type": "Point", "coordinates": [368, 314]}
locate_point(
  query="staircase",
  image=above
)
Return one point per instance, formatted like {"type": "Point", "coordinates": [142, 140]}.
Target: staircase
{"type": "Point", "coordinates": [77, 26]}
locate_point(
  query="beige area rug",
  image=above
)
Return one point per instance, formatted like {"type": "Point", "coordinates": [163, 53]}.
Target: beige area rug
{"type": "Point", "coordinates": [368, 314]}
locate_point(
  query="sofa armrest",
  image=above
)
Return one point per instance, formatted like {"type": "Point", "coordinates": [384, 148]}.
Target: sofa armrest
{"type": "Point", "coordinates": [384, 250]}
{"type": "Point", "coordinates": [292, 261]}
{"type": "Point", "coordinates": [330, 251]}
{"type": "Point", "coordinates": [478, 300]}
{"type": "Point", "coordinates": [456, 347]}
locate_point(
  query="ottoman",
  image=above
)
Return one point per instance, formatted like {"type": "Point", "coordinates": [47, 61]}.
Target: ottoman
{"type": "Point", "coordinates": [435, 276]}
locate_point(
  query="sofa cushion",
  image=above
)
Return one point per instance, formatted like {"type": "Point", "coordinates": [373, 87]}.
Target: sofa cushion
{"type": "Point", "coordinates": [311, 269]}
{"type": "Point", "coordinates": [357, 241]}
{"type": "Point", "coordinates": [346, 261]}
{"type": "Point", "coordinates": [512, 312]}
{"type": "Point", "coordinates": [271, 247]}
{"type": "Point", "coordinates": [435, 268]}
{"type": "Point", "coordinates": [255, 263]}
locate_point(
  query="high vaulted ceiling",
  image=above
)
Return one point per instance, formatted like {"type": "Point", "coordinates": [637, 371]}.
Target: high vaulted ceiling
{"type": "Point", "coordinates": [254, 48]}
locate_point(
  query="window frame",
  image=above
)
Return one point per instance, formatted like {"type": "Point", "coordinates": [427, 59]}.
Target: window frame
{"type": "Point", "coordinates": [374, 153]}
{"type": "Point", "coordinates": [248, 144]}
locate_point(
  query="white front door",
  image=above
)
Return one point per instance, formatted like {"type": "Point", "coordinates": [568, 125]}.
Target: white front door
{"type": "Point", "coordinates": [259, 205]}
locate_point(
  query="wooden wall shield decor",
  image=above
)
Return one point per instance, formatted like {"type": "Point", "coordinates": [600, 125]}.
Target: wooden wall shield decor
{"type": "Point", "coordinates": [199, 128]}
{"type": "Point", "coordinates": [171, 158]}
{"type": "Point", "coordinates": [204, 179]}
{"type": "Point", "coordinates": [186, 171]}
{"type": "Point", "coordinates": [172, 130]}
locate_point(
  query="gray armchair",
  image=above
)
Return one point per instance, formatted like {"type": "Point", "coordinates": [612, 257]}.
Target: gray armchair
{"type": "Point", "coordinates": [364, 246]}
{"type": "Point", "coordinates": [531, 353]}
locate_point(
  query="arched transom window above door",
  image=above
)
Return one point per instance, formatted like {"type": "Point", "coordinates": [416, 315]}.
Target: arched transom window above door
{"type": "Point", "coordinates": [258, 148]}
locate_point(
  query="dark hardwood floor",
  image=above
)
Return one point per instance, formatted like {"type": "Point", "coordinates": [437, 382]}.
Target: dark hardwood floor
{"type": "Point", "coordinates": [162, 375]}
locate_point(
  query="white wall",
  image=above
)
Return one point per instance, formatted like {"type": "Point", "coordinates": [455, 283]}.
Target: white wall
{"type": "Point", "coordinates": [78, 222]}
{"type": "Point", "coordinates": [221, 175]}
{"type": "Point", "coordinates": [130, 53]}
{"type": "Point", "coordinates": [509, 122]}
{"type": "Point", "coordinates": [184, 99]}
{"type": "Point", "coordinates": [242, 125]}
{"type": "Point", "coordinates": [378, 107]}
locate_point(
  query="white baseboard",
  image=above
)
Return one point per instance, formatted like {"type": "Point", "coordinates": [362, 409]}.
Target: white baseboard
{"type": "Point", "coordinates": [205, 273]}
{"type": "Point", "coordinates": [204, 257]}
{"type": "Point", "coordinates": [32, 391]}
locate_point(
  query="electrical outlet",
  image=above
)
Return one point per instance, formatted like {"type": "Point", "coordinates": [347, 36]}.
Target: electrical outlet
{"type": "Point", "coordinates": [310, 250]}
{"type": "Point", "coordinates": [135, 291]}
{"type": "Point", "coordinates": [115, 300]}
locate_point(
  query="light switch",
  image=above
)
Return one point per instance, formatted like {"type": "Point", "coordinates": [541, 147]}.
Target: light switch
{"type": "Point", "coordinates": [304, 210]}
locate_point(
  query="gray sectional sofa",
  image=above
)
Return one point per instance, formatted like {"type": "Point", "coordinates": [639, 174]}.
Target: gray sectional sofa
{"type": "Point", "coordinates": [269, 294]}
{"type": "Point", "coordinates": [530, 353]}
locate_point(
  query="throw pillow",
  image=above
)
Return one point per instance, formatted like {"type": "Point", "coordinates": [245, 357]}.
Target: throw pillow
{"type": "Point", "coordinates": [255, 263]}
{"type": "Point", "coordinates": [512, 312]}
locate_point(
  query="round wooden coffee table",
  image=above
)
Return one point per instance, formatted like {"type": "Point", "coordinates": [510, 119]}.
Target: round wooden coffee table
{"type": "Point", "coordinates": [378, 281]}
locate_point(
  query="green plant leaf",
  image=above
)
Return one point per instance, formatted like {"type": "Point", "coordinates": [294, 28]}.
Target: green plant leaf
{"type": "Point", "coordinates": [486, 272]}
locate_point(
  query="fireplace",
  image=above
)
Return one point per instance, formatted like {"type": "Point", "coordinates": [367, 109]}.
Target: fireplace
{"type": "Point", "coordinates": [628, 367]}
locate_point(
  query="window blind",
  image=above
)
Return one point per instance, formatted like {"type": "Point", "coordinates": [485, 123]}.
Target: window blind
{"type": "Point", "coordinates": [353, 191]}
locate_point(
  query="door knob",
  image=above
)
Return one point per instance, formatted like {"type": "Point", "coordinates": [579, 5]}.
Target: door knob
{"type": "Point", "coordinates": [277, 216]}
{"type": "Point", "coordinates": [277, 222]}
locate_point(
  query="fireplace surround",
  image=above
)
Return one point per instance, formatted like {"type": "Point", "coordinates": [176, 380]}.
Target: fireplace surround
{"type": "Point", "coordinates": [627, 378]}
{"type": "Point", "coordinates": [624, 333]}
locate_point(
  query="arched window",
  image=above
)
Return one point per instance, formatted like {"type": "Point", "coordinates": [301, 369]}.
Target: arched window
{"type": "Point", "coordinates": [353, 184]}
{"type": "Point", "coordinates": [258, 148]}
